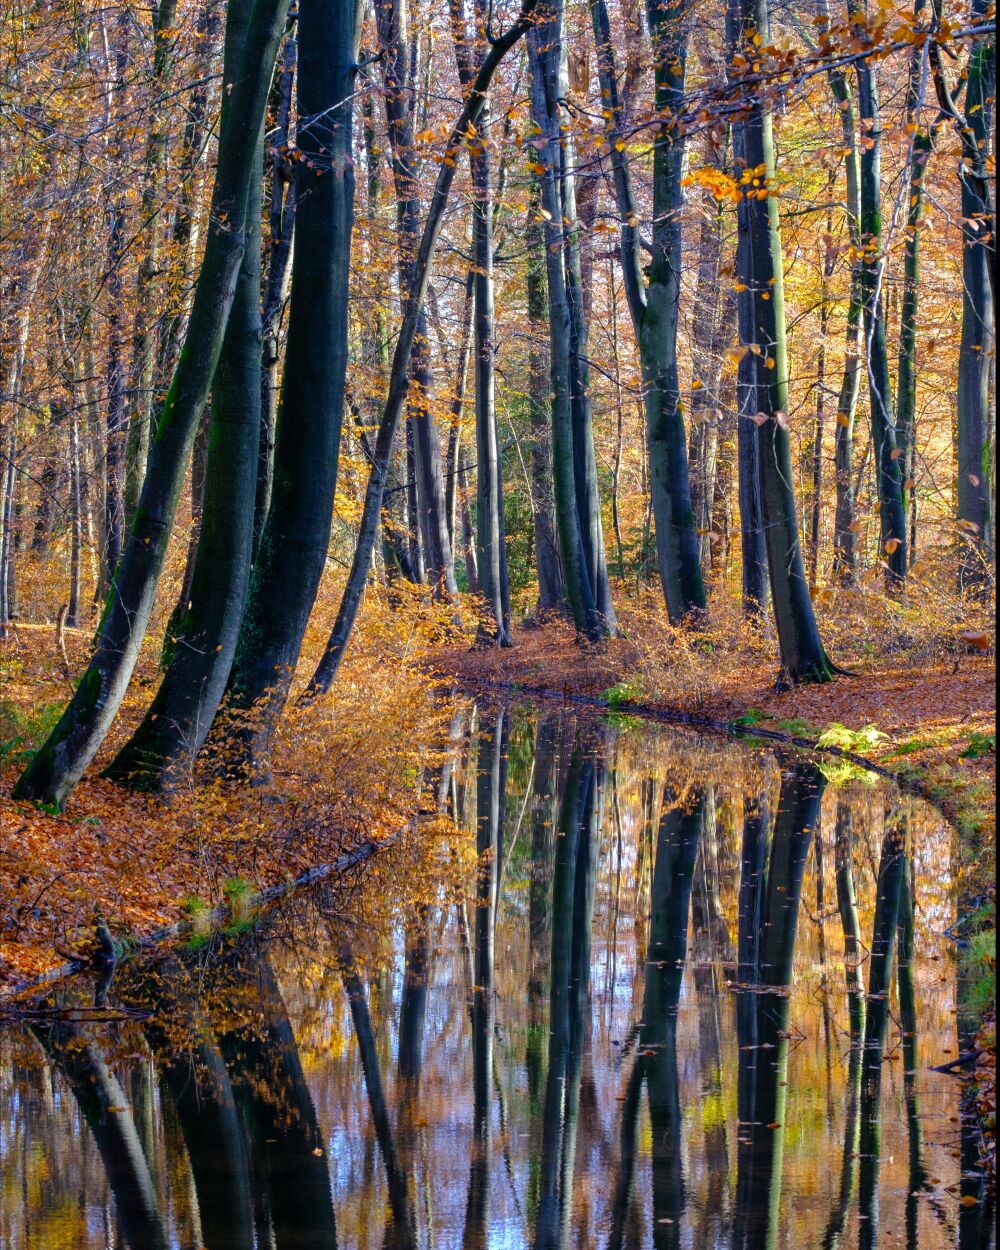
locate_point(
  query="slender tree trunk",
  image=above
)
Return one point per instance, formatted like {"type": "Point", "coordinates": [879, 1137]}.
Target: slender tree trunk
{"type": "Point", "coordinates": [551, 593]}
{"type": "Point", "coordinates": [759, 264]}
{"type": "Point", "coordinates": [281, 235]}
{"type": "Point", "coordinates": [296, 535]}
{"type": "Point", "coordinates": [116, 412]}
{"type": "Point", "coordinates": [398, 374]}
{"type": "Point", "coordinates": [140, 393]}
{"type": "Point", "coordinates": [976, 363]}
{"type": "Point", "coordinates": [74, 742]}
{"type": "Point", "coordinates": [491, 546]}
{"type": "Point", "coordinates": [872, 277]}
{"type": "Point", "coordinates": [655, 308]}
{"type": "Point", "coordinates": [428, 514]}
{"type": "Point", "coordinates": [753, 546]}
{"type": "Point", "coordinates": [906, 368]}
{"type": "Point", "coordinates": [546, 56]}
{"type": "Point", "coordinates": [76, 523]}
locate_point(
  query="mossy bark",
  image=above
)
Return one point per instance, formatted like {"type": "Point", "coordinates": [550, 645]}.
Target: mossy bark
{"type": "Point", "coordinates": [161, 752]}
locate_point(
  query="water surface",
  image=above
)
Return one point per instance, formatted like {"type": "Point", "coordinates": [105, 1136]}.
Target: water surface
{"type": "Point", "coordinates": [620, 987]}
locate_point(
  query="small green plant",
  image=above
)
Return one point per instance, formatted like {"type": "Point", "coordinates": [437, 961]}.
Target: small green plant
{"type": "Point", "coordinates": [199, 914]}
{"type": "Point", "coordinates": [752, 716]}
{"type": "Point", "coordinates": [912, 746]}
{"type": "Point", "coordinates": [623, 692]}
{"type": "Point", "coordinates": [982, 956]}
{"type": "Point", "coordinates": [797, 727]}
{"type": "Point", "coordinates": [980, 745]}
{"type": "Point", "coordinates": [239, 895]}
{"type": "Point", "coordinates": [867, 739]}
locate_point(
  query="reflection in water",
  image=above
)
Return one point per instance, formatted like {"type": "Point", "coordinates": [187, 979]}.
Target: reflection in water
{"type": "Point", "coordinates": [621, 1003]}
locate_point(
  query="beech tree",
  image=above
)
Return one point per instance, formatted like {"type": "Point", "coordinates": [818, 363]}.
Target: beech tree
{"type": "Point", "coordinates": [75, 740]}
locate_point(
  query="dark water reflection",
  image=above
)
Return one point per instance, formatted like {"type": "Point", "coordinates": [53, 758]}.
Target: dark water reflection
{"type": "Point", "coordinates": [655, 991]}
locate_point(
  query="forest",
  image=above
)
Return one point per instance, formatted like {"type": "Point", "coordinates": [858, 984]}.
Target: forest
{"type": "Point", "coordinates": [360, 359]}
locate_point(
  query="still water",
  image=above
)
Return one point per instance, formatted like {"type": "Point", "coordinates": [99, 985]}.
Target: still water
{"type": "Point", "coordinates": [618, 987]}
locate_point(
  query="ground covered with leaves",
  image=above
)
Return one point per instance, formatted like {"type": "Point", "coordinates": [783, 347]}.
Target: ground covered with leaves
{"type": "Point", "coordinates": [347, 772]}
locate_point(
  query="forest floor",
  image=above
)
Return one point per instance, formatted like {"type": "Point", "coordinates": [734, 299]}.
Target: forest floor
{"type": "Point", "coordinates": [346, 775]}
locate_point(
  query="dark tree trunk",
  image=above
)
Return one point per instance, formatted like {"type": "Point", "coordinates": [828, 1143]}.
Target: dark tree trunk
{"type": "Point", "coordinates": [976, 363]}
{"type": "Point", "coordinates": [872, 278]}
{"type": "Point", "coordinates": [74, 742]}
{"type": "Point", "coordinates": [296, 534]}
{"type": "Point", "coordinates": [759, 265]}
{"type": "Point", "coordinates": [398, 375]}
{"type": "Point", "coordinates": [161, 752]}
{"type": "Point", "coordinates": [546, 54]}
{"type": "Point", "coordinates": [655, 308]}
{"type": "Point", "coordinates": [281, 241]}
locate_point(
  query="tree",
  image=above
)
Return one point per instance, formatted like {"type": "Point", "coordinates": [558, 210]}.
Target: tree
{"type": "Point", "coordinates": [655, 308]}
{"type": "Point", "coordinates": [161, 752]}
{"type": "Point", "coordinates": [398, 376]}
{"type": "Point", "coordinates": [762, 331]}
{"type": "Point", "coordinates": [296, 534]}
{"type": "Point", "coordinates": [578, 519]}
{"type": "Point", "coordinates": [888, 454]}
{"type": "Point", "coordinates": [74, 742]}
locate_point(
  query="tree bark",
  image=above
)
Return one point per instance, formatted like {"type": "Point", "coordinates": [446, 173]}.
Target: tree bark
{"type": "Point", "coordinates": [140, 393]}
{"type": "Point", "coordinates": [759, 265]}
{"type": "Point", "coordinates": [551, 592]}
{"type": "Point", "coordinates": [546, 52]}
{"type": "Point", "coordinates": [296, 535]}
{"type": "Point", "coordinates": [872, 276]}
{"type": "Point", "coordinates": [74, 742]}
{"type": "Point", "coordinates": [398, 374]}
{"type": "Point", "coordinates": [655, 308]}
{"type": "Point", "coordinates": [160, 754]}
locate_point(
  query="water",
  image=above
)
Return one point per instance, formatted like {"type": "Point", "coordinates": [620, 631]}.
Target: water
{"type": "Point", "coordinates": [613, 1010]}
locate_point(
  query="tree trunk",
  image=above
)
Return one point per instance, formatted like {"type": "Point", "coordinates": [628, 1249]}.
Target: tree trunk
{"type": "Point", "coordinates": [140, 393]}
{"type": "Point", "coordinates": [296, 535]}
{"type": "Point", "coordinates": [74, 742]}
{"type": "Point", "coordinates": [76, 522]}
{"type": "Point", "coordinates": [906, 369]}
{"type": "Point", "coordinates": [655, 309]}
{"type": "Point", "coordinates": [872, 275]}
{"type": "Point", "coordinates": [551, 593]}
{"type": "Point", "coordinates": [116, 412]}
{"type": "Point", "coordinates": [759, 264]}
{"type": "Point", "coordinates": [161, 752]}
{"type": "Point", "coordinates": [428, 513]}
{"type": "Point", "coordinates": [491, 546]}
{"type": "Point", "coordinates": [977, 347]}
{"type": "Point", "coordinates": [546, 56]}
{"type": "Point", "coordinates": [281, 236]}
{"type": "Point", "coordinates": [398, 374]}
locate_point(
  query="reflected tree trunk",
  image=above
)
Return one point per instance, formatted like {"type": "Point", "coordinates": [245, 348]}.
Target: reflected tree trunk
{"type": "Point", "coordinates": [769, 907]}
{"type": "Point", "coordinates": [105, 1109]}
{"type": "Point", "coordinates": [889, 888]}
{"type": "Point", "coordinates": [673, 873]}
{"type": "Point", "coordinates": [286, 1144]}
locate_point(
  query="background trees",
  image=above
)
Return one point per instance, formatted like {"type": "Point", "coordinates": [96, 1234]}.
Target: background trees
{"type": "Point", "coordinates": [639, 161]}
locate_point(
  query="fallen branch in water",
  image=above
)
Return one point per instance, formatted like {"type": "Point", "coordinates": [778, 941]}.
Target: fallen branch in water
{"type": "Point", "coordinates": [217, 916]}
